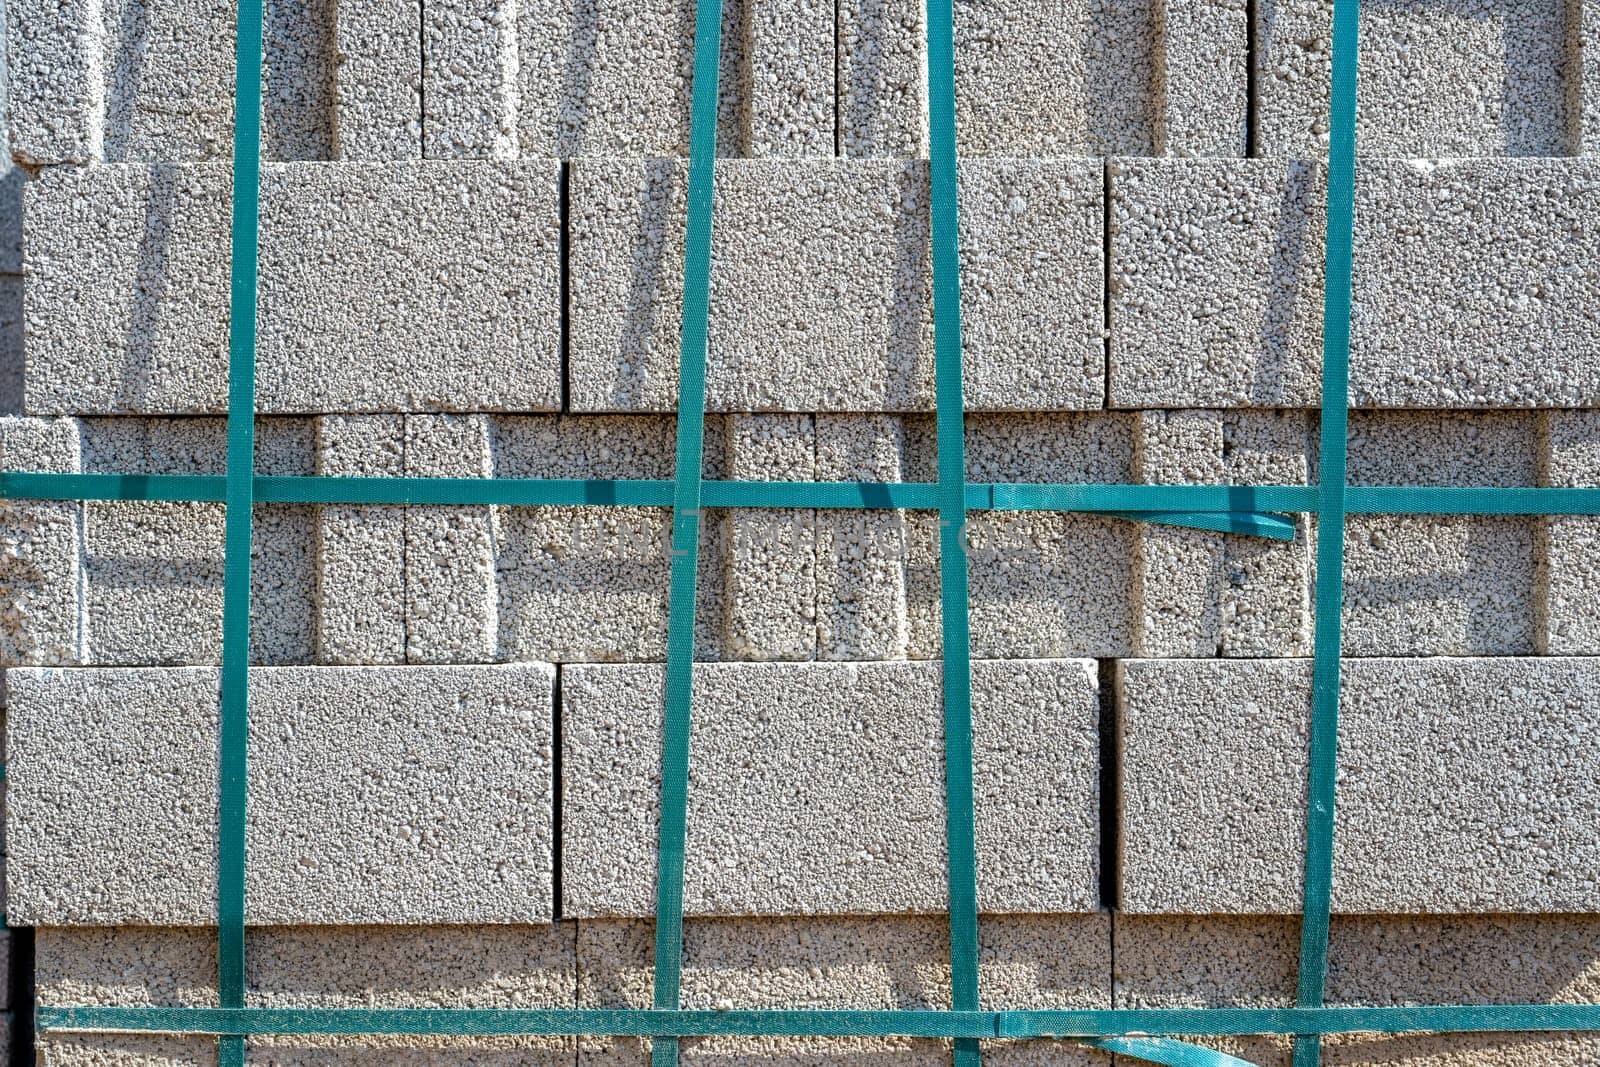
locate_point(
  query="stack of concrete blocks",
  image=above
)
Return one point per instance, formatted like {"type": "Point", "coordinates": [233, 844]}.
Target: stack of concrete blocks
{"type": "Point", "coordinates": [471, 262]}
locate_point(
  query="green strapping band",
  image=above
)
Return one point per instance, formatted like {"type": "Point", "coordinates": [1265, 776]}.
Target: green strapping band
{"type": "Point", "coordinates": [944, 230]}
{"type": "Point", "coordinates": [994, 1025]}
{"type": "Point", "coordinates": [1331, 513]}
{"type": "Point", "coordinates": [686, 521]}
{"type": "Point", "coordinates": [235, 688]}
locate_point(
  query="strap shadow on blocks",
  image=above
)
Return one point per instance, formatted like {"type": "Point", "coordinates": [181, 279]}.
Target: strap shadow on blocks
{"type": "Point", "coordinates": [1252, 510]}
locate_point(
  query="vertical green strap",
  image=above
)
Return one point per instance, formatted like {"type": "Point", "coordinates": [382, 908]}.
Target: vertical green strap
{"type": "Point", "coordinates": [945, 229]}
{"type": "Point", "coordinates": [235, 693]}
{"type": "Point", "coordinates": [686, 521]}
{"type": "Point", "coordinates": [1330, 527]}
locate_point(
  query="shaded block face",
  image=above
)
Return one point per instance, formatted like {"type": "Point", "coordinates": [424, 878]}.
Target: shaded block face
{"type": "Point", "coordinates": [821, 286]}
{"type": "Point", "coordinates": [153, 571]}
{"type": "Point", "coordinates": [376, 795]}
{"type": "Point", "coordinates": [1474, 800]}
{"type": "Point", "coordinates": [1217, 284]}
{"type": "Point", "coordinates": [1436, 77]}
{"type": "Point", "coordinates": [39, 558]}
{"type": "Point", "coordinates": [135, 81]}
{"type": "Point", "coordinates": [1568, 546]}
{"type": "Point", "coordinates": [431, 287]}
{"type": "Point", "coordinates": [838, 746]}
{"type": "Point", "coordinates": [888, 963]}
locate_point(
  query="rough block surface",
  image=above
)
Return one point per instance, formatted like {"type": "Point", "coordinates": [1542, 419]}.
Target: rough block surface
{"type": "Point", "coordinates": [377, 795]}
{"type": "Point", "coordinates": [434, 287]}
{"type": "Point", "coordinates": [1476, 799]}
{"type": "Point", "coordinates": [821, 286]}
{"type": "Point", "coordinates": [39, 560]}
{"type": "Point", "coordinates": [818, 788]}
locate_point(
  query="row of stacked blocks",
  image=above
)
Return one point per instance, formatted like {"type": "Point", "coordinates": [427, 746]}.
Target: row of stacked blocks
{"type": "Point", "coordinates": [471, 262]}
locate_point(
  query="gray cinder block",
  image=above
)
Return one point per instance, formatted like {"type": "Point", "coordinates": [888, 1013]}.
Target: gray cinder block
{"type": "Point", "coordinates": [838, 746]}
{"type": "Point", "coordinates": [591, 584]}
{"type": "Point", "coordinates": [1568, 546]}
{"type": "Point", "coordinates": [450, 551]}
{"type": "Point", "coordinates": [612, 77]}
{"type": "Point", "coordinates": [153, 571]}
{"type": "Point", "coordinates": [376, 795]}
{"type": "Point", "coordinates": [131, 81]}
{"type": "Point", "coordinates": [821, 291]}
{"type": "Point", "coordinates": [1057, 961]}
{"type": "Point", "coordinates": [771, 575]}
{"type": "Point", "coordinates": [326, 966]}
{"type": "Point", "coordinates": [377, 90]}
{"type": "Point", "coordinates": [1444, 78]}
{"type": "Point", "coordinates": [11, 347]}
{"type": "Point", "coordinates": [1201, 594]}
{"type": "Point", "coordinates": [1496, 802]}
{"type": "Point", "coordinates": [1217, 283]}
{"type": "Point", "coordinates": [1218, 961]}
{"type": "Point", "coordinates": [1428, 585]}
{"type": "Point", "coordinates": [39, 566]}
{"type": "Point", "coordinates": [433, 286]}
{"type": "Point", "coordinates": [470, 79]}
{"type": "Point", "coordinates": [1088, 80]}
{"type": "Point", "coordinates": [360, 607]}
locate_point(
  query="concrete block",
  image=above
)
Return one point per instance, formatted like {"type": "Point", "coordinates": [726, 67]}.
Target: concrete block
{"type": "Point", "coordinates": [1433, 585]}
{"type": "Point", "coordinates": [591, 584]}
{"type": "Point", "coordinates": [12, 177]}
{"type": "Point", "coordinates": [137, 82]}
{"type": "Point", "coordinates": [1567, 547]}
{"type": "Point", "coordinates": [450, 552]}
{"type": "Point", "coordinates": [821, 286]}
{"type": "Point", "coordinates": [368, 308]}
{"type": "Point", "coordinates": [39, 565]}
{"type": "Point", "coordinates": [153, 572]}
{"type": "Point", "coordinates": [862, 555]}
{"type": "Point", "coordinates": [1089, 80]}
{"type": "Point", "coordinates": [1201, 94]}
{"type": "Point", "coordinates": [376, 795]}
{"type": "Point", "coordinates": [470, 79]}
{"type": "Point", "coordinates": [360, 606]}
{"type": "Point", "coordinates": [1583, 78]}
{"type": "Point", "coordinates": [377, 89]}
{"type": "Point", "coordinates": [1058, 961]}
{"type": "Point", "coordinates": [1474, 800]}
{"type": "Point", "coordinates": [605, 78]}
{"type": "Point", "coordinates": [1200, 594]}
{"type": "Point", "coordinates": [11, 348]}
{"type": "Point", "coordinates": [771, 576]}
{"type": "Point", "coordinates": [1444, 78]}
{"type": "Point", "coordinates": [1436, 323]}
{"type": "Point", "coordinates": [1217, 961]}
{"type": "Point", "coordinates": [328, 967]}
{"type": "Point", "coordinates": [838, 746]}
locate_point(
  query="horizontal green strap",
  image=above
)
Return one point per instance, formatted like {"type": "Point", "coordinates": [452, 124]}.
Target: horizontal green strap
{"type": "Point", "coordinates": [933, 1024]}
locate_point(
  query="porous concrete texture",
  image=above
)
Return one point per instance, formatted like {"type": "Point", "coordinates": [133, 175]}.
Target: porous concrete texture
{"type": "Point", "coordinates": [771, 593]}
{"type": "Point", "coordinates": [141, 81]}
{"type": "Point", "coordinates": [450, 551]}
{"type": "Point", "coordinates": [360, 607]}
{"type": "Point", "coordinates": [376, 795]}
{"type": "Point", "coordinates": [1456, 585]}
{"type": "Point", "coordinates": [470, 79]}
{"type": "Point", "coordinates": [40, 570]}
{"type": "Point", "coordinates": [1202, 594]}
{"type": "Point", "coordinates": [591, 584]}
{"type": "Point", "coordinates": [1567, 549]}
{"type": "Point", "coordinates": [1476, 798]}
{"type": "Point", "coordinates": [818, 788]}
{"type": "Point", "coordinates": [377, 89]}
{"type": "Point", "coordinates": [1458, 301]}
{"type": "Point", "coordinates": [1077, 78]}
{"type": "Point", "coordinates": [153, 571]}
{"type": "Point", "coordinates": [435, 286]}
{"type": "Point", "coordinates": [1442, 78]}
{"type": "Point", "coordinates": [821, 286]}
{"type": "Point", "coordinates": [1058, 961]}
{"type": "Point", "coordinates": [1215, 961]}
{"type": "Point", "coordinates": [313, 966]}
{"type": "Point", "coordinates": [11, 347]}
